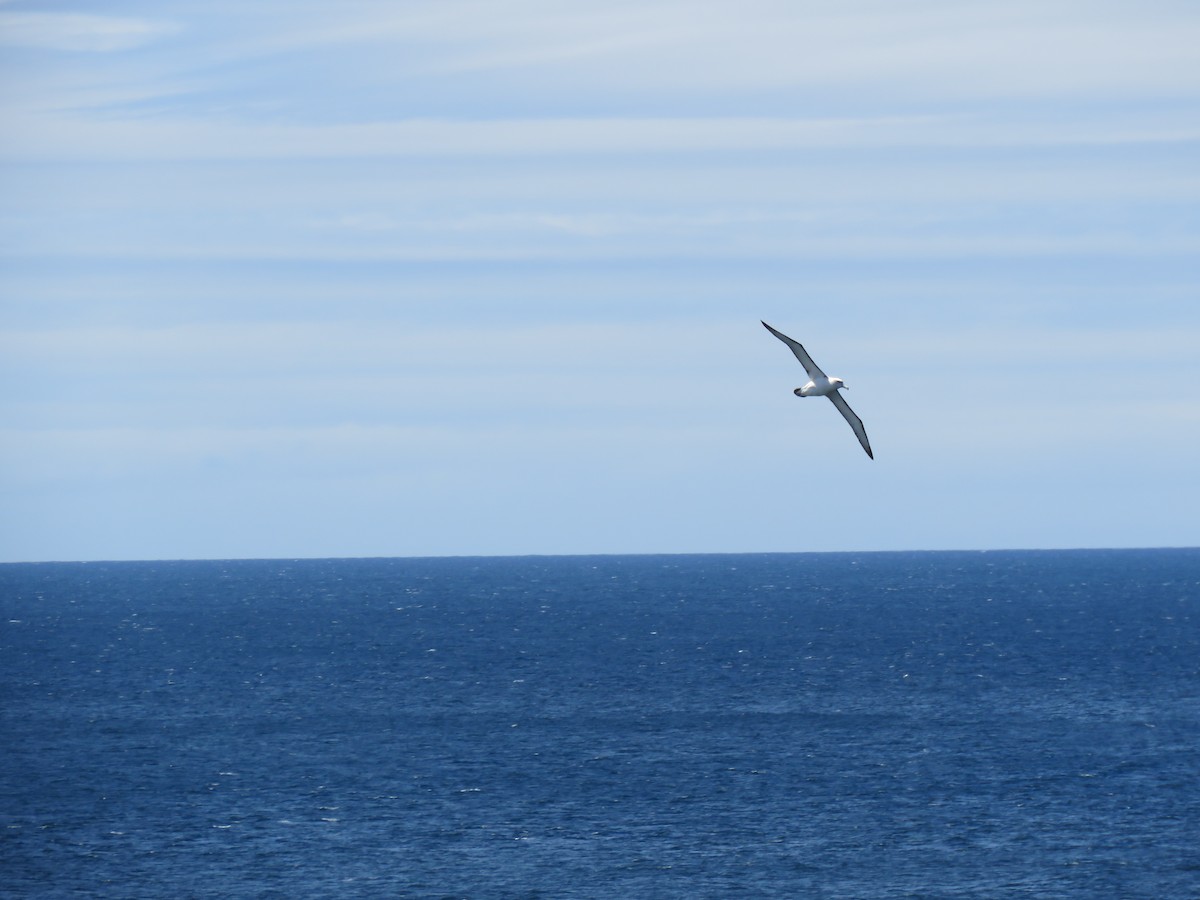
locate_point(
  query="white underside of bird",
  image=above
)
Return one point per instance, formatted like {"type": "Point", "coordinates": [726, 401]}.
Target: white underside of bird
{"type": "Point", "coordinates": [821, 385]}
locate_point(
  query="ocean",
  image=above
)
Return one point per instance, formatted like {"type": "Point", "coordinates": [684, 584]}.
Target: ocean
{"type": "Point", "coordinates": [858, 725]}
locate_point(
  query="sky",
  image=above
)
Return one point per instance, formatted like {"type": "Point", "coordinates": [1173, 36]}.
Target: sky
{"type": "Point", "coordinates": [297, 279]}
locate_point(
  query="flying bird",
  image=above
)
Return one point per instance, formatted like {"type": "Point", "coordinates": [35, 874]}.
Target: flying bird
{"type": "Point", "coordinates": [821, 385]}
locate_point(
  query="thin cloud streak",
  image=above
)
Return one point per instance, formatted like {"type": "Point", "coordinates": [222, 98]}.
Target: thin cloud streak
{"type": "Point", "coordinates": [80, 32]}
{"type": "Point", "coordinates": [56, 137]}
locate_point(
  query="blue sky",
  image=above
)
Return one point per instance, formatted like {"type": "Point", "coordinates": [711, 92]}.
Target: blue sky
{"type": "Point", "coordinates": [390, 279]}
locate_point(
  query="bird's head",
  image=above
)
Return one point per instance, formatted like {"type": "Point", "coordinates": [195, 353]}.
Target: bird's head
{"type": "Point", "coordinates": [838, 384]}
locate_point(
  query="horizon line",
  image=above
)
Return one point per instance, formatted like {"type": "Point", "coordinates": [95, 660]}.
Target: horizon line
{"type": "Point", "coordinates": [469, 556]}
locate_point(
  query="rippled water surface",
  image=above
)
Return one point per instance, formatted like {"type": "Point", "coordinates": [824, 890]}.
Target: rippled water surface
{"type": "Point", "coordinates": [832, 725]}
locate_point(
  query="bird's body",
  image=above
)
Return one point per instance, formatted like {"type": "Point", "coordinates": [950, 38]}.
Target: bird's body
{"type": "Point", "coordinates": [821, 385]}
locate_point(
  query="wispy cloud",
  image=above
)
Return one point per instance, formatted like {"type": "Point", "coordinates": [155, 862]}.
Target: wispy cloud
{"type": "Point", "coordinates": [366, 62]}
{"type": "Point", "coordinates": [62, 137]}
{"type": "Point", "coordinates": [949, 48]}
{"type": "Point", "coordinates": [79, 32]}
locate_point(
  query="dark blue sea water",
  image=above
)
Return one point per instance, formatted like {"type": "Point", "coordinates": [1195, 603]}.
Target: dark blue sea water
{"type": "Point", "coordinates": [830, 725]}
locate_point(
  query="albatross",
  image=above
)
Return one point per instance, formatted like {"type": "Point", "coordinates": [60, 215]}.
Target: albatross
{"type": "Point", "coordinates": [821, 385]}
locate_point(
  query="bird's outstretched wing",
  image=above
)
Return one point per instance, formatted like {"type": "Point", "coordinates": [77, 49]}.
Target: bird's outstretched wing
{"type": "Point", "coordinates": [854, 420]}
{"type": "Point", "coordinates": [814, 372]}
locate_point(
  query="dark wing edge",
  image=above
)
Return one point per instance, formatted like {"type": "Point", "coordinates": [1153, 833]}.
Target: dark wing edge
{"type": "Point", "coordinates": [854, 420]}
{"type": "Point", "coordinates": [810, 367]}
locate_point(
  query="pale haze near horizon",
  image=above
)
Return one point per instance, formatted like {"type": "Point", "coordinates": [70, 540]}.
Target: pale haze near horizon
{"type": "Point", "coordinates": [368, 279]}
